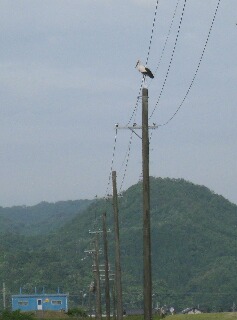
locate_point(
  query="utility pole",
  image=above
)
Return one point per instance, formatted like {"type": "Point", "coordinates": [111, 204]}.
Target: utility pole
{"type": "Point", "coordinates": [147, 278]}
{"type": "Point", "coordinates": [146, 210]}
{"type": "Point", "coordinates": [89, 302]}
{"type": "Point", "coordinates": [107, 291]}
{"type": "Point", "coordinates": [96, 271]}
{"type": "Point", "coordinates": [117, 250]}
{"type": "Point", "coordinates": [114, 299]}
{"type": "Point", "coordinates": [4, 295]}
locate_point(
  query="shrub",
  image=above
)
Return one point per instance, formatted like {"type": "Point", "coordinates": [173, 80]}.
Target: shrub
{"type": "Point", "coordinates": [15, 315]}
{"type": "Point", "coordinates": [77, 313]}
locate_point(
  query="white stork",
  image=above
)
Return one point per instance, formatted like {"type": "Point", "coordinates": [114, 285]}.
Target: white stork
{"type": "Point", "coordinates": [144, 70]}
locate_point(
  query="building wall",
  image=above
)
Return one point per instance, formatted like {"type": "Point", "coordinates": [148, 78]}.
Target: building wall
{"type": "Point", "coordinates": [54, 302]}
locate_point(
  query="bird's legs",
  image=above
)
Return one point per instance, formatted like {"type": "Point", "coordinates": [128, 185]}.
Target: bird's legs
{"type": "Point", "coordinates": [144, 84]}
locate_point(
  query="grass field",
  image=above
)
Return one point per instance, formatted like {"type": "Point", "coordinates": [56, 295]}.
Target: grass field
{"type": "Point", "coordinates": [205, 316]}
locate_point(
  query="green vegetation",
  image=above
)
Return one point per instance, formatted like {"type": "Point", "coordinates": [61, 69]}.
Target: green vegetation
{"type": "Point", "coordinates": [204, 316]}
{"type": "Point", "coordinates": [141, 317]}
{"type": "Point", "coordinates": [77, 313]}
{"type": "Point", "coordinates": [194, 249]}
{"type": "Point", "coordinates": [15, 315]}
{"type": "Point", "coordinates": [40, 219]}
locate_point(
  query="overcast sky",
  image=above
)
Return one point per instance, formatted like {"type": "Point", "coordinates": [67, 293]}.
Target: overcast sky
{"type": "Point", "coordinates": [68, 75]}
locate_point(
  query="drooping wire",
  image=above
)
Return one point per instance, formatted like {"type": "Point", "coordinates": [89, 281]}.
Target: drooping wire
{"type": "Point", "coordinates": [127, 160]}
{"type": "Point", "coordinates": [133, 115]}
{"type": "Point", "coordinates": [166, 40]}
{"type": "Point", "coordinates": [112, 161]}
{"type": "Point", "coordinates": [198, 67]}
{"type": "Point", "coordinates": [152, 32]}
{"type": "Point", "coordinates": [171, 59]}
{"type": "Point", "coordinates": [137, 102]}
{"type": "Point", "coordinates": [150, 138]}
{"type": "Point", "coordinates": [124, 160]}
{"type": "Point", "coordinates": [134, 110]}
{"type": "Point", "coordinates": [127, 156]}
{"type": "Point", "coordinates": [147, 58]}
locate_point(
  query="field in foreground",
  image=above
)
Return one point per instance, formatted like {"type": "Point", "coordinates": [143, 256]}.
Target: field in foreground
{"type": "Point", "coordinates": [205, 316]}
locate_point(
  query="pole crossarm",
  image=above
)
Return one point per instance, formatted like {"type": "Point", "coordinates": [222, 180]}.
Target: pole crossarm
{"type": "Point", "coordinates": [97, 231]}
{"type": "Point", "coordinates": [136, 127]}
{"type": "Point", "coordinates": [92, 251]}
{"type": "Point", "coordinates": [109, 196]}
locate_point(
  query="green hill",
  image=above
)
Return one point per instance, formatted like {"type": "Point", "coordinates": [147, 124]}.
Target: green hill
{"type": "Point", "coordinates": [41, 218]}
{"type": "Point", "coordinates": [193, 249]}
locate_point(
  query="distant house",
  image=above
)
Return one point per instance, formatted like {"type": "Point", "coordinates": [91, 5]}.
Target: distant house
{"type": "Point", "coordinates": [191, 311]}
{"type": "Point", "coordinates": [35, 302]}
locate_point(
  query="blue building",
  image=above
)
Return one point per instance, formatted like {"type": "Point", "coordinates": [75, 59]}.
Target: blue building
{"type": "Point", "coordinates": [35, 302]}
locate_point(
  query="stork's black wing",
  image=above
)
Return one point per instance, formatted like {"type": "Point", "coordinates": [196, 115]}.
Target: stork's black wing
{"type": "Point", "coordinates": [149, 73]}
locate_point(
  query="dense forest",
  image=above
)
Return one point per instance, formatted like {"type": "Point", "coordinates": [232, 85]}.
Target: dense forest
{"type": "Point", "coordinates": [41, 218]}
{"type": "Point", "coordinates": [194, 246]}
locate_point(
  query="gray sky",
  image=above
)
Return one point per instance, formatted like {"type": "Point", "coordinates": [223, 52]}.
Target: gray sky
{"type": "Point", "coordinates": [67, 76]}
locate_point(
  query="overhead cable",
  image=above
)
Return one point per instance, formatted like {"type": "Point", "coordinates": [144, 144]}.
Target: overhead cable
{"type": "Point", "coordinates": [112, 161]}
{"type": "Point", "coordinates": [127, 160]}
{"type": "Point", "coordinates": [152, 31]}
{"type": "Point", "coordinates": [198, 66]}
{"type": "Point", "coordinates": [166, 40]}
{"type": "Point", "coordinates": [171, 59]}
{"type": "Point", "coordinates": [147, 58]}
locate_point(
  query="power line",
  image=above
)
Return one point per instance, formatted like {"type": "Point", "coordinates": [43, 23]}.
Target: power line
{"type": "Point", "coordinates": [171, 59]}
{"type": "Point", "coordinates": [133, 129]}
{"type": "Point", "coordinates": [167, 38]}
{"type": "Point", "coordinates": [112, 161]}
{"type": "Point", "coordinates": [133, 115]}
{"type": "Point", "coordinates": [152, 32]}
{"type": "Point", "coordinates": [127, 156]}
{"type": "Point", "coordinates": [137, 102]}
{"type": "Point", "coordinates": [147, 58]}
{"type": "Point", "coordinates": [197, 69]}
{"type": "Point", "coordinates": [136, 105]}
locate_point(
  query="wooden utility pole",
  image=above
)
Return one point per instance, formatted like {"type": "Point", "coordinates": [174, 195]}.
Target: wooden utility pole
{"type": "Point", "coordinates": [117, 250]}
{"type": "Point", "coordinates": [89, 293]}
{"type": "Point", "coordinates": [95, 253]}
{"type": "Point", "coordinates": [97, 275]}
{"type": "Point", "coordinates": [114, 300]}
{"type": "Point", "coordinates": [4, 295]}
{"type": "Point", "coordinates": [146, 210]}
{"type": "Point", "coordinates": [107, 291]}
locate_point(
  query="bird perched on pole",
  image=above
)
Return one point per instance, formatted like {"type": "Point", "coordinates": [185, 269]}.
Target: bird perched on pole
{"type": "Point", "coordinates": [144, 70]}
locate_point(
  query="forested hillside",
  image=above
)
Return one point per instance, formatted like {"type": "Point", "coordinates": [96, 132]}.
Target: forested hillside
{"type": "Point", "coordinates": [194, 249]}
{"type": "Point", "coordinates": [41, 218]}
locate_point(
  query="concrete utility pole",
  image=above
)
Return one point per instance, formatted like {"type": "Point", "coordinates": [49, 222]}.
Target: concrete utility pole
{"type": "Point", "coordinates": [107, 291]}
{"type": "Point", "coordinates": [146, 210]}
{"type": "Point", "coordinates": [117, 250]}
